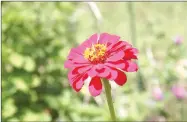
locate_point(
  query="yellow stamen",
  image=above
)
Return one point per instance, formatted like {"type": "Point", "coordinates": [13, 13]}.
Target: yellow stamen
{"type": "Point", "coordinates": [95, 53]}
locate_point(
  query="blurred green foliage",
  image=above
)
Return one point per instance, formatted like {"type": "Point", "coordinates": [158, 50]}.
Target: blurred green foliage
{"type": "Point", "coordinates": [37, 36]}
{"type": "Point", "coordinates": [34, 81]}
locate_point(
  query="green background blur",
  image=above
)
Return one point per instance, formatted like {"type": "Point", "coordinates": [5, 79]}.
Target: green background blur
{"type": "Point", "coordinates": [37, 37]}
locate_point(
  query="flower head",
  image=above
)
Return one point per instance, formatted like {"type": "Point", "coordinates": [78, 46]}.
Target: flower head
{"type": "Point", "coordinates": [179, 91]}
{"type": "Point", "coordinates": [101, 56]}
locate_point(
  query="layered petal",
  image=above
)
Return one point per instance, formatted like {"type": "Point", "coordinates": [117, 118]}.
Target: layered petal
{"type": "Point", "coordinates": [77, 79]}
{"type": "Point", "coordinates": [118, 46]}
{"type": "Point", "coordinates": [126, 65]}
{"type": "Point", "coordinates": [108, 39]}
{"type": "Point", "coordinates": [117, 56]}
{"type": "Point", "coordinates": [99, 70]}
{"type": "Point", "coordinates": [109, 73]}
{"type": "Point", "coordinates": [116, 51]}
{"type": "Point", "coordinates": [130, 66]}
{"type": "Point", "coordinates": [95, 86]}
{"type": "Point", "coordinates": [118, 76]}
{"type": "Point", "coordinates": [121, 64]}
{"type": "Point", "coordinates": [130, 54]}
{"type": "Point", "coordinates": [92, 40]}
{"type": "Point", "coordinates": [76, 58]}
{"type": "Point", "coordinates": [121, 78]}
{"type": "Point", "coordinates": [76, 63]}
{"type": "Point", "coordinates": [75, 52]}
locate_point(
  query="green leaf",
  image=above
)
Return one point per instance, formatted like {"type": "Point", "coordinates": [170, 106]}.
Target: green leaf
{"type": "Point", "coordinates": [8, 108]}
{"type": "Point", "coordinates": [36, 81]}
{"type": "Point", "coordinates": [16, 60]}
{"type": "Point", "coordinates": [20, 84]}
{"type": "Point", "coordinates": [29, 64]}
{"type": "Point", "coordinates": [33, 116]}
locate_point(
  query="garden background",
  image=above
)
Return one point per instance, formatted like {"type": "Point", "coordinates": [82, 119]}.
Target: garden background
{"type": "Point", "coordinates": [37, 37]}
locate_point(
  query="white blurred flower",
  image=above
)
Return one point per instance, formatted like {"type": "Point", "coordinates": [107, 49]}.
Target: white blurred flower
{"type": "Point", "coordinates": [181, 68]}
{"type": "Point", "coordinates": [122, 113]}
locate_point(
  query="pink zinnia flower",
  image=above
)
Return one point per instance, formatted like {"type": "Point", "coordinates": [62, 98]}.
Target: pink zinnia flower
{"type": "Point", "coordinates": [101, 56]}
{"type": "Point", "coordinates": [179, 91]}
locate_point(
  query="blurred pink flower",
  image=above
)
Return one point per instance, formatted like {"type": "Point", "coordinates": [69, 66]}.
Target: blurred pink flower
{"type": "Point", "coordinates": [179, 91]}
{"type": "Point", "coordinates": [178, 40]}
{"type": "Point", "coordinates": [101, 56]}
{"type": "Point", "coordinates": [157, 93]}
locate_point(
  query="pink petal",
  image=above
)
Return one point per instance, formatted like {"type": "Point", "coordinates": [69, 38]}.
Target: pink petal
{"type": "Point", "coordinates": [117, 51]}
{"type": "Point", "coordinates": [92, 40]}
{"type": "Point", "coordinates": [81, 69]}
{"type": "Point", "coordinates": [77, 84]}
{"type": "Point", "coordinates": [72, 74]}
{"type": "Point", "coordinates": [121, 78]}
{"type": "Point", "coordinates": [118, 46]}
{"type": "Point", "coordinates": [84, 68]}
{"type": "Point", "coordinates": [108, 39]}
{"type": "Point", "coordinates": [104, 72]}
{"type": "Point", "coordinates": [76, 62]}
{"type": "Point", "coordinates": [117, 56]}
{"type": "Point", "coordinates": [79, 59]}
{"type": "Point", "coordinates": [104, 37]}
{"type": "Point", "coordinates": [117, 64]}
{"type": "Point", "coordinates": [95, 86]}
{"type": "Point", "coordinates": [131, 66]}
{"type": "Point", "coordinates": [71, 64]}
{"type": "Point", "coordinates": [75, 52]}
{"type": "Point", "coordinates": [130, 54]}
{"type": "Point", "coordinates": [68, 64]}
{"type": "Point", "coordinates": [113, 73]}
{"type": "Point", "coordinates": [75, 58]}
{"type": "Point", "coordinates": [76, 79]}
{"type": "Point", "coordinates": [99, 70]}
{"type": "Point", "coordinates": [92, 72]}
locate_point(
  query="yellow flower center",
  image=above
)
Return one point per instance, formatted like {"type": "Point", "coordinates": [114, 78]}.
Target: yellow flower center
{"type": "Point", "coordinates": [96, 53]}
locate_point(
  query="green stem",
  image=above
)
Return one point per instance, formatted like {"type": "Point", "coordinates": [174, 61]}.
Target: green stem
{"type": "Point", "coordinates": [109, 99]}
{"type": "Point", "coordinates": [182, 110]}
{"type": "Point", "coordinates": [132, 22]}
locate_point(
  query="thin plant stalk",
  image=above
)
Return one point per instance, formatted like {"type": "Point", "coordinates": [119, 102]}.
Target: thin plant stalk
{"type": "Point", "coordinates": [132, 21]}
{"type": "Point", "coordinates": [109, 99]}
{"type": "Point", "coordinates": [182, 111]}
{"type": "Point", "coordinates": [96, 14]}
